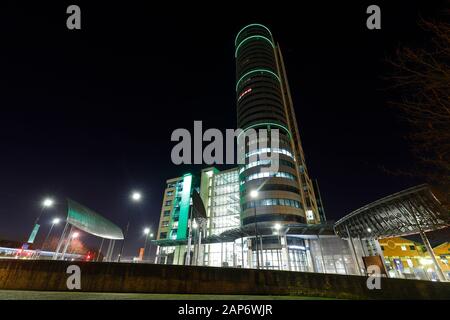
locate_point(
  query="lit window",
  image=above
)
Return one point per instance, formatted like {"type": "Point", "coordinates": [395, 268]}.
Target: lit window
{"type": "Point", "coordinates": [267, 150]}
{"type": "Point", "coordinates": [410, 263]}
{"type": "Point", "coordinates": [272, 202]}
{"type": "Point", "coordinates": [244, 93]}
{"type": "Point", "coordinates": [261, 175]}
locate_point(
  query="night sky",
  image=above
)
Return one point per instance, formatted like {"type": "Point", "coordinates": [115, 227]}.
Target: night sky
{"type": "Point", "coordinates": [88, 114]}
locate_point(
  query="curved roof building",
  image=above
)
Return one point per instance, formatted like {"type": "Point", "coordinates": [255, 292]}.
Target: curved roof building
{"type": "Point", "coordinates": [407, 212]}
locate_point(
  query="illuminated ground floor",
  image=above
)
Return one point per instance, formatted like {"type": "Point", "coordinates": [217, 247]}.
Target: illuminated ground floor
{"type": "Point", "coordinates": [409, 259]}
{"type": "Point", "coordinates": [304, 249]}
{"type": "Point", "coordinates": [324, 254]}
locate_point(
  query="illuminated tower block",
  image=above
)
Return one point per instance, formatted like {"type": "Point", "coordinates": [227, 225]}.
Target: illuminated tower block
{"type": "Point", "coordinates": [264, 101]}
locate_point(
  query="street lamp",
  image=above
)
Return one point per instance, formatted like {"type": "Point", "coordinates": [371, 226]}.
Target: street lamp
{"type": "Point", "coordinates": [254, 195]}
{"type": "Point", "coordinates": [74, 236]}
{"type": "Point", "coordinates": [45, 204]}
{"type": "Point", "coordinates": [277, 228]}
{"type": "Point", "coordinates": [55, 221]}
{"type": "Point", "coordinates": [135, 197]}
{"type": "Point", "coordinates": [147, 235]}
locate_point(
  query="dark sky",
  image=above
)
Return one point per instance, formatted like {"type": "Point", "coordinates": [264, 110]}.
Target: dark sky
{"type": "Point", "coordinates": [88, 114]}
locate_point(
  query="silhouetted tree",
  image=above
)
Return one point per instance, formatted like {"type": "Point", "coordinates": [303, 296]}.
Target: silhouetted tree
{"type": "Point", "coordinates": [422, 76]}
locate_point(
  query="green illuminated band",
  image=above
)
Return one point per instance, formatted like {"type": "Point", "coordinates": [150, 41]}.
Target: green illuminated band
{"type": "Point", "coordinates": [251, 25]}
{"type": "Point", "coordinates": [273, 124]}
{"type": "Point", "coordinates": [254, 71]}
{"type": "Point", "coordinates": [185, 204]}
{"type": "Point", "coordinates": [252, 37]}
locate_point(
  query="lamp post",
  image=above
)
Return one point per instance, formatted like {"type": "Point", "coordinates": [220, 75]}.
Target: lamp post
{"type": "Point", "coordinates": [147, 235]}
{"type": "Point", "coordinates": [277, 228]}
{"type": "Point", "coordinates": [55, 221]}
{"type": "Point", "coordinates": [46, 203]}
{"type": "Point", "coordinates": [254, 195]}
{"type": "Point", "coordinates": [74, 236]}
{"type": "Point", "coordinates": [196, 247]}
{"type": "Point", "coordinates": [135, 197]}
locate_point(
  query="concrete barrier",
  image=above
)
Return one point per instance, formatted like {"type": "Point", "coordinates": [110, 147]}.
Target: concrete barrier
{"type": "Point", "coordinates": [147, 278]}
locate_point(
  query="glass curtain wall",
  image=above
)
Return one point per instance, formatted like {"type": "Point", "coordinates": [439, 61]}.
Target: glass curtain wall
{"type": "Point", "coordinates": [224, 214]}
{"type": "Point", "coordinates": [225, 206]}
{"type": "Point", "coordinates": [332, 255]}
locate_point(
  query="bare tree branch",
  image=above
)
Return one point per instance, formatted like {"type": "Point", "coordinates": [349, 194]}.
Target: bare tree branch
{"type": "Point", "coordinates": [422, 78]}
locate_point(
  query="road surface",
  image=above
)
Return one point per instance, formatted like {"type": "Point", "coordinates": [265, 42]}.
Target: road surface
{"type": "Point", "coordinates": [53, 295]}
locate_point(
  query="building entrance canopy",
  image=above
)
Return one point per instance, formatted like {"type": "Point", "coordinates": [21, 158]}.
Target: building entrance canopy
{"type": "Point", "coordinates": [410, 211]}
{"type": "Point", "coordinates": [304, 230]}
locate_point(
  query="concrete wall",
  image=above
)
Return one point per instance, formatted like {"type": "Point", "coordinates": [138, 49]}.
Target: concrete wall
{"type": "Point", "coordinates": [123, 277]}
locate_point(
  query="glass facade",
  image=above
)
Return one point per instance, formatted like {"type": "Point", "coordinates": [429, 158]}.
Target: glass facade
{"type": "Point", "coordinates": [220, 193]}
{"type": "Point", "coordinates": [283, 194]}
{"type": "Point", "coordinates": [332, 255]}
{"type": "Point", "coordinates": [225, 210]}
{"type": "Point", "coordinates": [221, 199]}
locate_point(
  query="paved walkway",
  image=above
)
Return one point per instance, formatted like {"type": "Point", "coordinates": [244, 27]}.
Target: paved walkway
{"type": "Point", "coordinates": [53, 295]}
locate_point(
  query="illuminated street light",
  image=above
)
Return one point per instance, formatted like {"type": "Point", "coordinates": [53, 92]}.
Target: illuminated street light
{"type": "Point", "coordinates": [45, 204]}
{"type": "Point", "coordinates": [55, 221]}
{"type": "Point", "coordinates": [277, 226]}
{"type": "Point", "coordinates": [369, 230]}
{"type": "Point", "coordinates": [147, 235]}
{"type": "Point", "coordinates": [136, 196]}
{"type": "Point", "coordinates": [75, 235]}
{"type": "Point", "coordinates": [48, 202]}
{"type": "Point", "coordinates": [195, 225]}
{"type": "Point", "coordinates": [254, 194]}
